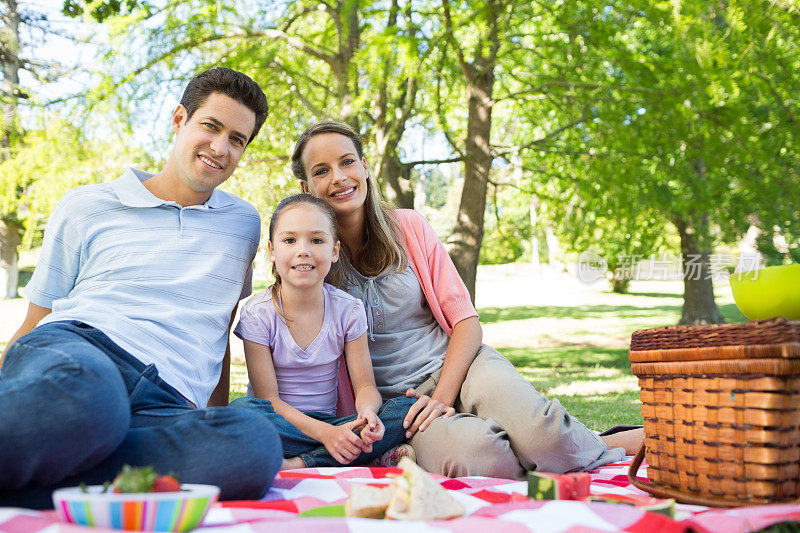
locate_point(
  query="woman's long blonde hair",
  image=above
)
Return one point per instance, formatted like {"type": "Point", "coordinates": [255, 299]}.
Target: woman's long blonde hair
{"type": "Point", "coordinates": [382, 248]}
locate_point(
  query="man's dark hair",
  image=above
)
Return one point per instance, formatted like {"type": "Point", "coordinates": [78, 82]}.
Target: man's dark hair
{"type": "Point", "coordinates": [231, 83]}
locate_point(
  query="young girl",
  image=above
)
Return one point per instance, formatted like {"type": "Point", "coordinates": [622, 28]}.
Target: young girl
{"type": "Point", "coordinates": [425, 338]}
{"type": "Point", "coordinates": [293, 336]}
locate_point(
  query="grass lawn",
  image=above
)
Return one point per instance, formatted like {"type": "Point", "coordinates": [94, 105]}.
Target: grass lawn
{"type": "Point", "coordinates": [580, 354]}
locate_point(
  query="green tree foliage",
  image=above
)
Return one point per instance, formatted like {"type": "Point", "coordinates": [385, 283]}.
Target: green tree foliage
{"type": "Point", "coordinates": [51, 160]}
{"type": "Point", "coordinates": [354, 61]}
{"type": "Point", "coordinates": [22, 30]}
{"type": "Point", "coordinates": [507, 235]}
{"type": "Point", "coordinates": [689, 120]}
{"type": "Point", "coordinates": [632, 120]}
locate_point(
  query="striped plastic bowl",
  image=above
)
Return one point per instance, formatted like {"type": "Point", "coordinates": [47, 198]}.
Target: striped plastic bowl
{"type": "Point", "coordinates": [155, 511]}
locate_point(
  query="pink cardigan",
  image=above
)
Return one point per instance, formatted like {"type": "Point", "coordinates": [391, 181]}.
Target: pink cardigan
{"type": "Point", "coordinates": [445, 292]}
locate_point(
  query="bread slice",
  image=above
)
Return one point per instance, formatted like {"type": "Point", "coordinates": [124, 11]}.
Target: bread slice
{"type": "Point", "coordinates": [368, 502]}
{"type": "Point", "coordinates": [420, 497]}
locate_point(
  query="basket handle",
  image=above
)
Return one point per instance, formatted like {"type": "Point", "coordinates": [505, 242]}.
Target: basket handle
{"type": "Point", "coordinates": [661, 492]}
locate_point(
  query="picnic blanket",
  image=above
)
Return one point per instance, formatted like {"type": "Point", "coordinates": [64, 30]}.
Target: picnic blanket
{"type": "Point", "coordinates": [492, 505]}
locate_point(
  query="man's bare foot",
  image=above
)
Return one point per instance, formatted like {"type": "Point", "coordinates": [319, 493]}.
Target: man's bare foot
{"type": "Point", "coordinates": [631, 440]}
{"type": "Point", "coordinates": [292, 463]}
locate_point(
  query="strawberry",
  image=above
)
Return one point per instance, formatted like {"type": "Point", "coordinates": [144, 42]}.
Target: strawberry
{"type": "Point", "coordinates": [166, 484]}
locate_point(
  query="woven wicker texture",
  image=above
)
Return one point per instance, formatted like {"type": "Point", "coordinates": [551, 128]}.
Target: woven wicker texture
{"type": "Point", "coordinates": [722, 429]}
{"type": "Point", "coordinates": [773, 331]}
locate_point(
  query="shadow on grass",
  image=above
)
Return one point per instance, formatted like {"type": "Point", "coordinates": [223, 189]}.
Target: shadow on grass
{"type": "Point", "coordinates": [492, 315]}
{"type": "Point", "coordinates": [656, 294]}
{"type": "Point", "coordinates": [602, 412]}
{"type": "Point", "coordinates": [731, 313]}
{"type": "Point", "coordinates": [568, 358]}
{"type": "Point", "coordinates": [24, 277]}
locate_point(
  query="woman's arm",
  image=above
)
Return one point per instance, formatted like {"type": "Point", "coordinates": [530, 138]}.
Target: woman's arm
{"type": "Point", "coordinates": [368, 399]}
{"type": "Point", "coordinates": [461, 351]}
{"type": "Point", "coordinates": [464, 343]}
{"type": "Point", "coordinates": [341, 441]}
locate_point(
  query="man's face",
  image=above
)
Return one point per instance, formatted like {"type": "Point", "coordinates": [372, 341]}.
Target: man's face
{"type": "Point", "coordinates": [208, 145]}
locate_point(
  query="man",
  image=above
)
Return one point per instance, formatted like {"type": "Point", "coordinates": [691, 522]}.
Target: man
{"type": "Point", "coordinates": [125, 341]}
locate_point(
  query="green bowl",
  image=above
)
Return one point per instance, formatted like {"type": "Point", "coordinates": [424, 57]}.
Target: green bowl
{"type": "Point", "coordinates": [768, 292]}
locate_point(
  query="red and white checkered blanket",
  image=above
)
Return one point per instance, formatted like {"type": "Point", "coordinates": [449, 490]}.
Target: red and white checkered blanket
{"type": "Point", "coordinates": [492, 505]}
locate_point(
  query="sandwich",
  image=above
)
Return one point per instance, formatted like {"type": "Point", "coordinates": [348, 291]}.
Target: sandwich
{"type": "Point", "coordinates": [417, 496]}
{"type": "Point", "coordinates": [413, 495]}
{"type": "Point", "coordinates": [366, 501]}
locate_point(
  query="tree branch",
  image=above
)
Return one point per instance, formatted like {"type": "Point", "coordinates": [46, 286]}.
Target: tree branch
{"type": "Point", "coordinates": [778, 98]}
{"type": "Point", "coordinates": [291, 20]}
{"type": "Point", "coordinates": [448, 24]}
{"type": "Point", "coordinates": [547, 137]}
{"type": "Point", "coordinates": [432, 162]}
{"type": "Point", "coordinates": [587, 85]}
{"type": "Point", "coordinates": [442, 120]}
{"type": "Point", "coordinates": [295, 43]}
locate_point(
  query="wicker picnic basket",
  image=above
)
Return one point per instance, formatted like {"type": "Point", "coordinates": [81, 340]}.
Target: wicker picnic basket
{"type": "Point", "coordinates": [721, 409]}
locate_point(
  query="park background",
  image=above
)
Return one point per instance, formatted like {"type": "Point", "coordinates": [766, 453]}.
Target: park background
{"type": "Point", "coordinates": [607, 164]}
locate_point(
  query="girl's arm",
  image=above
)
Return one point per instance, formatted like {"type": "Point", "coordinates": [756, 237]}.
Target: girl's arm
{"type": "Point", "coordinates": [461, 351]}
{"type": "Point", "coordinates": [341, 441]}
{"type": "Point", "coordinates": [368, 399]}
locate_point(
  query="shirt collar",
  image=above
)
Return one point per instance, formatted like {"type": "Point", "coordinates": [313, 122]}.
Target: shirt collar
{"type": "Point", "coordinates": [132, 193]}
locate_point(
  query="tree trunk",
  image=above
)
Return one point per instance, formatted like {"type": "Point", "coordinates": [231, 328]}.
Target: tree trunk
{"type": "Point", "coordinates": [534, 215]}
{"type": "Point", "coordinates": [10, 92]}
{"type": "Point", "coordinates": [344, 70]}
{"type": "Point", "coordinates": [620, 284]}
{"type": "Point", "coordinates": [699, 306]}
{"type": "Point", "coordinates": [9, 269]}
{"type": "Point", "coordinates": [465, 242]}
{"type": "Point", "coordinates": [11, 65]}
{"type": "Point", "coordinates": [397, 182]}
{"type": "Point", "coordinates": [392, 110]}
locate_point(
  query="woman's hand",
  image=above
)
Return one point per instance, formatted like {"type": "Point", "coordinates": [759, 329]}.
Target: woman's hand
{"type": "Point", "coordinates": [342, 442]}
{"type": "Point", "coordinates": [424, 411]}
{"type": "Point", "coordinates": [373, 430]}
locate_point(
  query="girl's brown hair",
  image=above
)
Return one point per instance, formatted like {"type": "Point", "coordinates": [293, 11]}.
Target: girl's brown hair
{"type": "Point", "coordinates": [382, 248]}
{"type": "Point", "coordinates": [336, 274]}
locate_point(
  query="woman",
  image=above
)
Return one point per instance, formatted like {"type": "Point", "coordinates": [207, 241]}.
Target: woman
{"type": "Point", "coordinates": [474, 414]}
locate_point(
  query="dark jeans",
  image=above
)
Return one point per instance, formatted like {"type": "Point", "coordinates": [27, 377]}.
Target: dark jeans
{"type": "Point", "coordinates": [75, 407]}
{"type": "Point", "coordinates": [298, 444]}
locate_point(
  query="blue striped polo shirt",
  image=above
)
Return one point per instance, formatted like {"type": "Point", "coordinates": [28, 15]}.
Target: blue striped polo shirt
{"type": "Point", "coordinates": [159, 279]}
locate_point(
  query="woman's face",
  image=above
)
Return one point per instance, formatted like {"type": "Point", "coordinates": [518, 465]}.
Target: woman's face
{"type": "Point", "coordinates": [335, 173]}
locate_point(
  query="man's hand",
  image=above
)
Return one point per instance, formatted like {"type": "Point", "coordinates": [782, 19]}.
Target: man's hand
{"type": "Point", "coordinates": [342, 442]}
{"type": "Point", "coordinates": [424, 411]}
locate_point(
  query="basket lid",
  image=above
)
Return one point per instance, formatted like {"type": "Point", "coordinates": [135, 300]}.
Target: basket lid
{"type": "Point", "coordinates": [776, 338]}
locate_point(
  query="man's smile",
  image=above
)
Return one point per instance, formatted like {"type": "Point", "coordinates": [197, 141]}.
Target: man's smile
{"type": "Point", "coordinates": [210, 162]}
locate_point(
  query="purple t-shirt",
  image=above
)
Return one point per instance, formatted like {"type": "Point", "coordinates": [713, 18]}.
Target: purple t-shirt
{"type": "Point", "coordinates": [307, 378]}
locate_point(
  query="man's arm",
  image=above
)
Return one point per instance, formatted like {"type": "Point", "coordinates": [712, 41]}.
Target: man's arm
{"type": "Point", "coordinates": [222, 391]}
{"type": "Point", "coordinates": [35, 314]}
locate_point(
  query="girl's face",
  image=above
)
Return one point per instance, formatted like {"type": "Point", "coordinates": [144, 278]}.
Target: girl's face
{"type": "Point", "coordinates": [302, 246]}
{"type": "Point", "coordinates": [335, 173]}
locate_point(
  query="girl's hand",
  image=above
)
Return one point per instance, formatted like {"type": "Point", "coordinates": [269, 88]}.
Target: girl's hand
{"type": "Point", "coordinates": [424, 411]}
{"type": "Point", "coordinates": [343, 443]}
{"type": "Point", "coordinates": [373, 430]}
